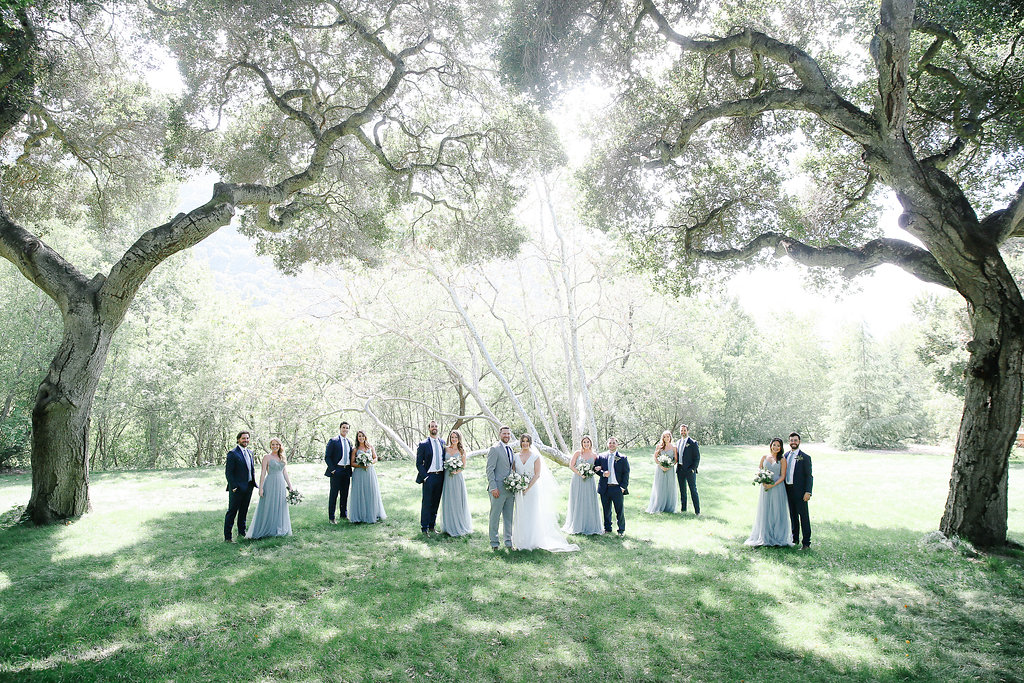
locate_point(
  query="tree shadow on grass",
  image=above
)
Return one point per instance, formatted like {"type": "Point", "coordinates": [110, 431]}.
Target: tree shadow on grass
{"type": "Point", "coordinates": [365, 602]}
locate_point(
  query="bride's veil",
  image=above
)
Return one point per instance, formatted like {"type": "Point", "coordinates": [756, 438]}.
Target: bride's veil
{"type": "Point", "coordinates": [547, 495]}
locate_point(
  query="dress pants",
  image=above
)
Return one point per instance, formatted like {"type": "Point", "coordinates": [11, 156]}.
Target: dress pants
{"type": "Point", "coordinates": [433, 485]}
{"type": "Point", "coordinates": [340, 481]}
{"type": "Point", "coordinates": [612, 496]}
{"type": "Point", "coordinates": [238, 506]}
{"type": "Point", "coordinates": [798, 515]}
{"type": "Point", "coordinates": [687, 480]}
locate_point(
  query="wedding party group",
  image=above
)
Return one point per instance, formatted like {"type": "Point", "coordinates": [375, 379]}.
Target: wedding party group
{"type": "Point", "coordinates": [522, 492]}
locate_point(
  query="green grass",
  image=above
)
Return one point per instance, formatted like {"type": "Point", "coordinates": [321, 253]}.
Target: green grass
{"type": "Point", "coordinates": [144, 589]}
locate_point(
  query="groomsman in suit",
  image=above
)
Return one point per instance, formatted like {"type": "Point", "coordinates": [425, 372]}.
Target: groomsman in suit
{"type": "Point", "coordinates": [499, 464]}
{"type": "Point", "coordinates": [686, 468]}
{"type": "Point", "coordinates": [241, 475]}
{"type": "Point", "coordinates": [613, 469]}
{"type": "Point", "coordinates": [339, 468]}
{"type": "Point", "coordinates": [799, 482]}
{"type": "Point", "coordinates": [430, 473]}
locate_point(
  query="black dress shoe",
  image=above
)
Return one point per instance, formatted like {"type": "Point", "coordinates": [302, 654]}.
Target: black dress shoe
{"type": "Point", "coordinates": [228, 540]}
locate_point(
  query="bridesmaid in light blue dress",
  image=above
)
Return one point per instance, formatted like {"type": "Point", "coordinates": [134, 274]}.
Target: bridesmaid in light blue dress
{"type": "Point", "coordinates": [272, 518]}
{"type": "Point", "coordinates": [771, 523]}
{"type": "Point", "coordinates": [584, 512]}
{"type": "Point", "coordinates": [455, 517]}
{"type": "Point", "coordinates": [364, 501]}
{"type": "Point", "coordinates": [664, 494]}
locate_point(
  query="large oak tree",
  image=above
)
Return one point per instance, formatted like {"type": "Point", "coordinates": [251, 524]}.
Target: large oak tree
{"type": "Point", "coordinates": [718, 110]}
{"type": "Point", "coordinates": [338, 128]}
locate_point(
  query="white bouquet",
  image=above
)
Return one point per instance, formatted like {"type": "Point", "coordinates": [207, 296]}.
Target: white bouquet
{"type": "Point", "coordinates": [453, 465]}
{"type": "Point", "coordinates": [363, 459]}
{"type": "Point", "coordinates": [516, 483]}
{"type": "Point", "coordinates": [666, 460]}
{"type": "Point", "coordinates": [586, 469]}
{"type": "Point", "coordinates": [764, 477]}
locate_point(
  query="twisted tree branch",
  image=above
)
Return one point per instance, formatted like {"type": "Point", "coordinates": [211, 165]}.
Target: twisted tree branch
{"type": "Point", "coordinates": [853, 261]}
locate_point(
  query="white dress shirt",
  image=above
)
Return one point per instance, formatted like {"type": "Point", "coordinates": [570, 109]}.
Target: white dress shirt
{"type": "Point", "coordinates": [436, 464]}
{"type": "Point", "coordinates": [790, 461]}
{"type": "Point", "coordinates": [611, 469]}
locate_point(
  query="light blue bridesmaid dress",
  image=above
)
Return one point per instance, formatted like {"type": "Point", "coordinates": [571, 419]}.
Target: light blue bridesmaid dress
{"type": "Point", "coordinates": [771, 522]}
{"type": "Point", "coordinates": [583, 515]}
{"type": "Point", "coordinates": [364, 501]}
{"type": "Point", "coordinates": [272, 518]}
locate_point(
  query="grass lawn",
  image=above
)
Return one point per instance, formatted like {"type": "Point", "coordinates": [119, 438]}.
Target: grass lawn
{"type": "Point", "coordinates": [143, 588]}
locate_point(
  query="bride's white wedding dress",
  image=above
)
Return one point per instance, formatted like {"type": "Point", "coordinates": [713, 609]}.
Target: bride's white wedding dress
{"type": "Point", "coordinates": [535, 523]}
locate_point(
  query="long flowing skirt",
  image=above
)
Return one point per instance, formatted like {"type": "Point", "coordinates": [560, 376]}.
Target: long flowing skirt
{"type": "Point", "coordinates": [455, 519]}
{"type": "Point", "coordinates": [583, 515]}
{"type": "Point", "coordinates": [272, 518]}
{"type": "Point", "coordinates": [664, 493]}
{"type": "Point", "coordinates": [771, 521]}
{"type": "Point", "coordinates": [364, 501]}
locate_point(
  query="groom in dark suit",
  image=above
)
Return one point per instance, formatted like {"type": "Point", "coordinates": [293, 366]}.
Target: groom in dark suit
{"type": "Point", "coordinates": [241, 475]}
{"type": "Point", "coordinates": [686, 468]}
{"type": "Point", "coordinates": [613, 468]}
{"type": "Point", "coordinates": [430, 473]}
{"type": "Point", "coordinates": [339, 468]}
{"type": "Point", "coordinates": [799, 482]}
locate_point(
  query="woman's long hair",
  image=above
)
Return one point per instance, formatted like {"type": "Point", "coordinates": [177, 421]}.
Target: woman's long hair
{"type": "Point", "coordinates": [586, 437]}
{"type": "Point", "coordinates": [456, 432]}
{"type": "Point", "coordinates": [782, 448]}
{"type": "Point", "coordinates": [280, 449]}
{"type": "Point", "coordinates": [366, 440]}
{"type": "Point", "coordinates": [662, 445]}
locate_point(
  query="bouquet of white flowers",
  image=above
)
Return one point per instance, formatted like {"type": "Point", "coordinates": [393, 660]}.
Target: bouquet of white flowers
{"type": "Point", "coordinates": [764, 477]}
{"type": "Point", "coordinates": [516, 483]}
{"type": "Point", "coordinates": [363, 459]}
{"type": "Point", "coordinates": [453, 465]}
{"type": "Point", "coordinates": [294, 497]}
{"type": "Point", "coordinates": [666, 459]}
{"type": "Point", "coordinates": [586, 469]}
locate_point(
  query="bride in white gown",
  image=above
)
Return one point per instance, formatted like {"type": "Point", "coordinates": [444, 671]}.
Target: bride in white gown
{"type": "Point", "coordinates": [535, 524]}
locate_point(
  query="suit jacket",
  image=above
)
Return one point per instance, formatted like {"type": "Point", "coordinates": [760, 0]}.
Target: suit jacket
{"type": "Point", "coordinates": [333, 453]}
{"type": "Point", "coordinates": [424, 456]}
{"type": "Point", "coordinates": [803, 475]}
{"type": "Point", "coordinates": [689, 454]}
{"type": "Point", "coordinates": [237, 471]}
{"type": "Point", "coordinates": [498, 466]}
{"type": "Point", "coordinates": [621, 472]}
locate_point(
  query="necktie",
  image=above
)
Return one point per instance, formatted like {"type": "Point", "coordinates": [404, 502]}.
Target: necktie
{"type": "Point", "coordinates": [508, 452]}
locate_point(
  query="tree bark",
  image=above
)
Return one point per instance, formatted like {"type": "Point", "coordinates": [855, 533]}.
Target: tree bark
{"type": "Point", "coordinates": [976, 507]}
{"type": "Point", "coordinates": [60, 419]}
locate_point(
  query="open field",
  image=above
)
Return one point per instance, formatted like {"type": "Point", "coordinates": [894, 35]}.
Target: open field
{"type": "Point", "coordinates": [143, 588]}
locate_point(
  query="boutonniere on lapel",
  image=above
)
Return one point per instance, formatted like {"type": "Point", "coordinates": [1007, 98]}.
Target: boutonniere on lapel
{"type": "Point", "coordinates": [617, 457]}
{"type": "Point", "coordinates": [799, 457]}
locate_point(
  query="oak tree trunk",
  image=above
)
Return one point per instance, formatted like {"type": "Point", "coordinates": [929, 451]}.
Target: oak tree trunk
{"type": "Point", "coordinates": [60, 420]}
{"type": "Point", "coordinates": [976, 508]}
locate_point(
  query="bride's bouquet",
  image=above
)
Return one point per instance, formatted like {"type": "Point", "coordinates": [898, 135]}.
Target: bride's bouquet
{"type": "Point", "coordinates": [363, 459]}
{"type": "Point", "coordinates": [516, 483]}
{"type": "Point", "coordinates": [764, 477]}
{"type": "Point", "coordinates": [453, 465]}
{"type": "Point", "coordinates": [666, 460]}
{"type": "Point", "coordinates": [586, 469]}
{"type": "Point", "coordinates": [294, 497]}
